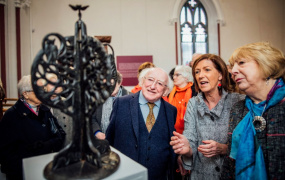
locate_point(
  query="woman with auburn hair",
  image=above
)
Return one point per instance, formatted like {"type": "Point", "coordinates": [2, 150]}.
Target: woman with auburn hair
{"type": "Point", "coordinates": [257, 124]}
{"type": "Point", "coordinates": [203, 144]}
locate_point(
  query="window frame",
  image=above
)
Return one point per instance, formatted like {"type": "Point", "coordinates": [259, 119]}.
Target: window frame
{"type": "Point", "coordinates": [193, 26]}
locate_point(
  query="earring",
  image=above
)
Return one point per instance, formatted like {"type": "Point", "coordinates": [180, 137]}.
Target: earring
{"type": "Point", "coordinates": [219, 86]}
{"type": "Point", "coordinates": [267, 81]}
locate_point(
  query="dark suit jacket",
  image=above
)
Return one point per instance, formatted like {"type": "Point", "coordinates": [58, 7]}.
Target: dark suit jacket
{"type": "Point", "coordinates": [97, 116]}
{"type": "Point", "coordinates": [123, 130]}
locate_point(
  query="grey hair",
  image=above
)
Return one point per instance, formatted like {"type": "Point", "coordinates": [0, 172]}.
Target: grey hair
{"type": "Point", "coordinates": [147, 71]}
{"type": "Point", "coordinates": [185, 71]}
{"type": "Point", "coordinates": [142, 75]}
{"type": "Point", "coordinates": [24, 84]}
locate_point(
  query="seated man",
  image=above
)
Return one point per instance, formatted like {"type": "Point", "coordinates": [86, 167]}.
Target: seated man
{"type": "Point", "coordinates": [101, 117]}
{"type": "Point", "coordinates": [27, 129]}
{"type": "Point", "coordinates": [141, 126]}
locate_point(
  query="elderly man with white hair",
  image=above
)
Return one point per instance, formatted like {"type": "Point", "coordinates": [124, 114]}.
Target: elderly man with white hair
{"type": "Point", "coordinates": [141, 125]}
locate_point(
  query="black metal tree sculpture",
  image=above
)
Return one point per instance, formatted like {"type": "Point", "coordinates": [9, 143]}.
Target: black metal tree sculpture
{"type": "Point", "coordinates": [82, 74]}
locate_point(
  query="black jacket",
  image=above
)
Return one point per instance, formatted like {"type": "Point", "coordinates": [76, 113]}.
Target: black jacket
{"type": "Point", "coordinates": [24, 134]}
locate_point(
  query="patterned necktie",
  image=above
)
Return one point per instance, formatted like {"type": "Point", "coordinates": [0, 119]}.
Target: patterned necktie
{"type": "Point", "coordinates": [150, 120]}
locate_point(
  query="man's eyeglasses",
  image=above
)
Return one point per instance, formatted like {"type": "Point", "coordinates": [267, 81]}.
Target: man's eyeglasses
{"type": "Point", "coordinates": [29, 91]}
{"type": "Point", "coordinates": [158, 83]}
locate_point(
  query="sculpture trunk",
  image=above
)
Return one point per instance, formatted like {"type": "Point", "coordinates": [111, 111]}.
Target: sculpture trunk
{"type": "Point", "coordinates": [83, 72]}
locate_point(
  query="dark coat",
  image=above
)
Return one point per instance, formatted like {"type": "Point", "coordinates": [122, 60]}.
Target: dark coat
{"type": "Point", "coordinates": [123, 131]}
{"type": "Point", "coordinates": [194, 92]}
{"type": "Point", "coordinates": [97, 116]}
{"type": "Point", "coordinates": [23, 134]}
{"type": "Point", "coordinates": [271, 140]}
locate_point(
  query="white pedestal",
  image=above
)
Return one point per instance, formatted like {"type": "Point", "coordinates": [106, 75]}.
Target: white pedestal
{"type": "Point", "coordinates": [128, 169]}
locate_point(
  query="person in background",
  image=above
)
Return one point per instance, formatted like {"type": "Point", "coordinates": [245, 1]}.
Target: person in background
{"type": "Point", "coordinates": [101, 117]}
{"type": "Point", "coordinates": [63, 119]}
{"type": "Point", "coordinates": [257, 124]}
{"type": "Point", "coordinates": [143, 66]}
{"type": "Point", "coordinates": [2, 91]}
{"type": "Point", "coordinates": [181, 93]}
{"type": "Point", "coordinates": [27, 129]}
{"type": "Point", "coordinates": [141, 126]}
{"type": "Point", "coordinates": [195, 56]}
{"type": "Point", "coordinates": [203, 143]}
{"type": "Point", "coordinates": [2, 96]}
{"type": "Point", "coordinates": [171, 74]}
{"type": "Point", "coordinates": [233, 83]}
{"type": "Point", "coordinates": [229, 69]}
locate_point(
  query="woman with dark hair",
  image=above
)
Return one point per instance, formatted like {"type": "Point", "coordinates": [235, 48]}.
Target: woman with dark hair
{"type": "Point", "coordinates": [202, 146]}
{"type": "Point", "coordinates": [257, 124]}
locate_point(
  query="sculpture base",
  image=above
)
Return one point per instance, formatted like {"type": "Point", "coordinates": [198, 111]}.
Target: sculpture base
{"type": "Point", "coordinates": [84, 170]}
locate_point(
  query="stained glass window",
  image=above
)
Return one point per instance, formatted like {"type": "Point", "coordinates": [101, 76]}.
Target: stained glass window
{"type": "Point", "coordinates": [193, 30]}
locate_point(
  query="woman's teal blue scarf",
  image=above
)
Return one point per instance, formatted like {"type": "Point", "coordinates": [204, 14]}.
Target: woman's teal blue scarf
{"type": "Point", "coordinates": [245, 148]}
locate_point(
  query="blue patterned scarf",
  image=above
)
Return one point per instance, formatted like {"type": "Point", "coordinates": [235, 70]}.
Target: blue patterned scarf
{"type": "Point", "coordinates": [245, 148]}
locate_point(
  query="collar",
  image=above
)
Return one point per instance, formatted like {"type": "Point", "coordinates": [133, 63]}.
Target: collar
{"type": "Point", "coordinates": [143, 101]}
{"type": "Point", "coordinates": [203, 108]}
{"type": "Point", "coordinates": [184, 88]}
{"type": "Point", "coordinates": [23, 110]}
{"type": "Point", "coordinates": [34, 109]}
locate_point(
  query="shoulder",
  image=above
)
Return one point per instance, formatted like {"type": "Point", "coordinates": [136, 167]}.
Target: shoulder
{"type": "Point", "coordinates": [124, 101]}
{"type": "Point", "coordinates": [44, 108]}
{"type": "Point", "coordinates": [127, 97]}
{"type": "Point", "coordinates": [278, 109]}
{"type": "Point", "coordinates": [232, 98]}
{"type": "Point", "coordinates": [236, 96]}
{"type": "Point", "coordinates": [125, 91]}
{"type": "Point", "coordinates": [17, 109]}
{"type": "Point", "coordinates": [238, 105]}
{"type": "Point", "coordinates": [196, 100]}
{"type": "Point", "coordinates": [11, 112]}
{"type": "Point", "coordinates": [282, 102]}
{"type": "Point", "coordinates": [168, 105]}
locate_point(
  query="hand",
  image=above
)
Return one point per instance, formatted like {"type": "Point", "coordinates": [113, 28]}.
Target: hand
{"type": "Point", "coordinates": [181, 168]}
{"type": "Point", "coordinates": [100, 135]}
{"type": "Point", "coordinates": [180, 144]}
{"type": "Point", "coordinates": [212, 148]}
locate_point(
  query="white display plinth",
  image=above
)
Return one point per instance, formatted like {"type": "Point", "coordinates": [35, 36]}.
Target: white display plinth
{"type": "Point", "coordinates": [127, 170]}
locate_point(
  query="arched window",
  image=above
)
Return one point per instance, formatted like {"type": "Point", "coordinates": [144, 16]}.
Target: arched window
{"type": "Point", "coordinates": [193, 30]}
